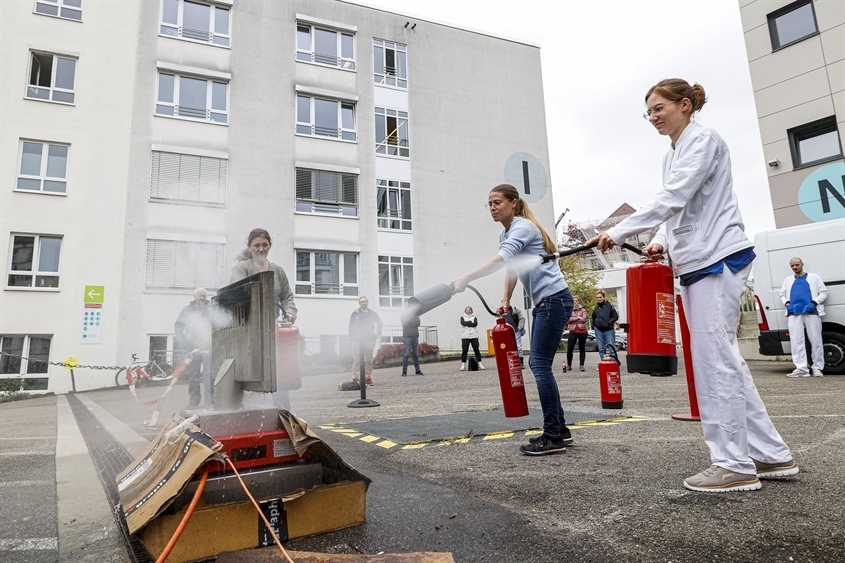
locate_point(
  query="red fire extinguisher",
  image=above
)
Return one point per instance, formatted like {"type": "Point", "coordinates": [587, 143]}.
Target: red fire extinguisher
{"type": "Point", "coordinates": [510, 372]}
{"type": "Point", "coordinates": [288, 374]}
{"type": "Point", "coordinates": [651, 319]}
{"type": "Point", "coordinates": [610, 382]}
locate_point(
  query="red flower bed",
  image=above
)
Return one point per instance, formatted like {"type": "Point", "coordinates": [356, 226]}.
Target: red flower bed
{"type": "Point", "coordinates": [390, 352]}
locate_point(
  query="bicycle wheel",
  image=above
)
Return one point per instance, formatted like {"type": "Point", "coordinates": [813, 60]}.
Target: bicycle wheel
{"type": "Point", "coordinates": [120, 378]}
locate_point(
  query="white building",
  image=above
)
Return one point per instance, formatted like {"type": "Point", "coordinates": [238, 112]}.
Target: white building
{"type": "Point", "coordinates": [142, 141]}
{"type": "Point", "coordinates": [796, 53]}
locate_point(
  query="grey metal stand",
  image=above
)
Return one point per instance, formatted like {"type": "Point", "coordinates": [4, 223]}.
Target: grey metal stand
{"type": "Point", "coordinates": [362, 379]}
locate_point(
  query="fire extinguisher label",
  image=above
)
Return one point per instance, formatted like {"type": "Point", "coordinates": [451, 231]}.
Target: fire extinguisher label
{"type": "Point", "coordinates": [614, 383]}
{"type": "Point", "coordinates": [665, 318]}
{"type": "Point", "coordinates": [514, 369]}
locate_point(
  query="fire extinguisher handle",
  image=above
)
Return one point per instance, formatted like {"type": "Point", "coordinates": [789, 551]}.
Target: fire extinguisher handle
{"type": "Point", "coordinates": [633, 249]}
{"type": "Point", "coordinates": [561, 253]}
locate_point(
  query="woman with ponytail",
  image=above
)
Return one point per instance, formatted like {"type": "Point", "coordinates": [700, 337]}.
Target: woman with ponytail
{"type": "Point", "coordinates": [702, 231]}
{"type": "Point", "coordinates": [523, 236]}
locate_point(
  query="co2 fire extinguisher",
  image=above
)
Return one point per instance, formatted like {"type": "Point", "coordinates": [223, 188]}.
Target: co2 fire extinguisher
{"type": "Point", "coordinates": [651, 319]}
{"type": "Point", "coordinates": [610, 382]}
{"type": "Point", "coordinates": [510, 372]}
{"type": "Point", "coordinates": [288, 374]}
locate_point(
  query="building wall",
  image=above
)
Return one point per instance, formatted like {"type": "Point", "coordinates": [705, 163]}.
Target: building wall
{"type": "Point", "coordinates": [795, 85]}
{"type": "Point", "coordinates": [475, 106]}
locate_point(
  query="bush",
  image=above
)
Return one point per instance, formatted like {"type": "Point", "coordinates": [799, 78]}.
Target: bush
{"type": "Point", "coordinates": [11, 387]}
{"type": "Point", "coordinates": [396, 351]}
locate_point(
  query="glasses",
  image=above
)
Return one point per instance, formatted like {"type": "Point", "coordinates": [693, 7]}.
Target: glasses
{"type": "Point", "coordinates": [494, 203]}
{"type": "Point", "coordinates": [260, 245]}
{"type": "Point", "coordinates": [655, 110]}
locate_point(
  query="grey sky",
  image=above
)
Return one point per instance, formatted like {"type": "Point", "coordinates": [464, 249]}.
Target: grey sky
{"type": "Point", "coordinates": [599, 58]}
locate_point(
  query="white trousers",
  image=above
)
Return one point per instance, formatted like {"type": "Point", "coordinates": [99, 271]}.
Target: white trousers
{"type": "Point", "coordinates": [733, 417]}
{"type": "Point", "coordinates": [813, 324]}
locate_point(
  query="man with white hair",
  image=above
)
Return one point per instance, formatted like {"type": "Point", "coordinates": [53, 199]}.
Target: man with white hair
{"type": "Point", "coordinates": [193, 332]}
{"type": "Point", "coordinates": [803, 295]}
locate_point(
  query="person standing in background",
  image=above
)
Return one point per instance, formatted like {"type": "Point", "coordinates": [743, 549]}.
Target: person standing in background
{"type": "Point", "coordinates": [577, 327]}
{"type": "Point", "coordinates": [411, 343]}
{"type": "Point", "coordinates": [364, 329]}
{"type": "Point", "coordinates": [193, 335]}
{"type": "Point", "coordinates": [469, 337]}
{"type": "Point", "coordinates": [803, 295]}
{"type": "Point", "coordinates": [604, 325]}
{"type": "Point", "coordinates": [516, 319]}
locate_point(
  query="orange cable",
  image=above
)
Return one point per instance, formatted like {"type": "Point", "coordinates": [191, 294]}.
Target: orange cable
{"type": "Point", "coordinates": [181, 528]}
{"type": "Point", "coordinates": [258, 508]}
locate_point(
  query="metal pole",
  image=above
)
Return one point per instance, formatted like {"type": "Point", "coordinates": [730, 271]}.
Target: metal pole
{"type": "Point", "coordinates": [73, 380]}
{"type": "Point", "coordinates": [362, 379]}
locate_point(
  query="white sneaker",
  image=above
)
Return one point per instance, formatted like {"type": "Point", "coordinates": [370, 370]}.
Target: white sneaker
{"type": "Point", "coordinates": [817, 373]}
{"type": "Point", "coordinates": [463, 366]}
{"type": "Point", "coordinates": [797, 372]}
{"type": "Point", "coordinates": [481, 366]}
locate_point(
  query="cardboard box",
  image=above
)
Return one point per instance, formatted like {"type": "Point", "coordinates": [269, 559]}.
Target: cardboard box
{"type": "Point", "coordinates": [156, 479]}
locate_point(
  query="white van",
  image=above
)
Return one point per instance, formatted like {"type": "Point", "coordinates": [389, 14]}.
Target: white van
{"type": "Point", "coordinates": [821, 246]}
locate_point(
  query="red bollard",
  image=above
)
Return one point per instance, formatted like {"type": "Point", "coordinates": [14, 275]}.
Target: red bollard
{"type": "Point", "coordinates": [510, 372]}
{"type": "Point", "coordinates": [693, 398]}
{"type": "Point", "coordinates": [610, 383]}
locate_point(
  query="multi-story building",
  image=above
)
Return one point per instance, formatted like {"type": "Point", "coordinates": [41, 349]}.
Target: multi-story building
{"type": "Point", "coordinates": [142, 141]}
{"type": "Point", "coordinates": [796, 53]}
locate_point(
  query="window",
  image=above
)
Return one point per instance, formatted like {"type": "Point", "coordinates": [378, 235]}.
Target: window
{"type": "Point", "coordinates": [792, 23]}
{"type": "Point", "coordinates": [51, 78]}
{"type": "Point", "coordinates": [34, 261]}
{"type": "Point", "coordinates": [188, 177]}
{"type": "Point", "coordinates": [193, 98]}
{"type": "Point", "coordinates": [325, 118]}
{"type": "Point", "coordinates": [195, 21]}
{"type": "Point", "coordinates": [179, 264]}
{"type": "Point", "coordinates": [43, 167]}
{"type": "Point", "coordinates": [390, 65]}
{"type": "Point", "coordinates": [814, 143]}
{"type": "Point", "coordinates": [326, 273]}
{"type": "Point", "coordinates": [392, 132]}
{"type": "Point", "coordinates": [68, 9]}
{"type": "Point", "coordinates": [330, 193]}
{"type": "Point", "coordinates": [325, 46]}
{"type": "Point", "coordinates": [29, 356]}
{"type": "Point", "coordinates": [395, 280]}
{"type": "Point", "coordinates": [394, 204]}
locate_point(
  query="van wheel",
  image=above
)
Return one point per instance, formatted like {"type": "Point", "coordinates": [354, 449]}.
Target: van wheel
{"type": "Point", "coordinates": [834, 353]}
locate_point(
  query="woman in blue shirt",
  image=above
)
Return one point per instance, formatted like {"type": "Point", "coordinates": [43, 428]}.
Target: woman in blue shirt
{"type": "Point", "coordinates": [520, 243]}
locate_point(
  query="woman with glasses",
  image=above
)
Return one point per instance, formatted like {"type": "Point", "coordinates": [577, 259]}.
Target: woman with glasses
{"type": "Point", "coordinates": [701, 229]}
{"type": "Point", "coordinates": [520, 243]}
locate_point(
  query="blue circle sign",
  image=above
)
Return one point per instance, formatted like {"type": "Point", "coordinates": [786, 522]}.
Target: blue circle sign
{"type": "Point", "coordinates": [821, 196]}
{"type": "Point", "coordinates": [528, 175]}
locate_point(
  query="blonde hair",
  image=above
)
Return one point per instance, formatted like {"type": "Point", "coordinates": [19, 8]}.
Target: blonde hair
{"type": "Point", "coordinates": [524, 211]}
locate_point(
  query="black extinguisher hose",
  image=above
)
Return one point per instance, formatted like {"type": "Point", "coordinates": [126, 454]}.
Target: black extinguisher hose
{"type": "Point", "coordinates": [483, 301]}
{"type": "Point", "coordinates": [569, 251]}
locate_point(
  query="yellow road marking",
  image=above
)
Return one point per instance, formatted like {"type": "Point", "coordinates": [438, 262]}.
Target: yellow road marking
{"type": "Point", "coordinates": [415, 446]}
{"type": "Point", "coordinates": [387, 444]}
{"type": "Point", "coordinates": [369, 439]}
{"type": "Point", "coordinates": [498, 435]}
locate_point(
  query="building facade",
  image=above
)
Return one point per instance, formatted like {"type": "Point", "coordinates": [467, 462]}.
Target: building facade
{"type": "Point", "coordinates": [796, 53]}
{"type": "Point", "coordinates": [142, 141]}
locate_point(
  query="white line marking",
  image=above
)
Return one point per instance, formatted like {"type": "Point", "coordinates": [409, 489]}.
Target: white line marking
{"type": "Point", "coordinates": [30, 544]}
{"type": "Point", "coordinates": [24, 483]}
{"type": "Point", "coordinates": [25, 453]}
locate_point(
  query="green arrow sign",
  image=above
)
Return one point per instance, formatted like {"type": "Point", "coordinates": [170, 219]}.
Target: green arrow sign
{"type": "Point", "coordinates": [94, 293]}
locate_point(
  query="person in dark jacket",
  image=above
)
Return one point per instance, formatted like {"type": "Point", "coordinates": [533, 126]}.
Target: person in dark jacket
{"type": "Point", "coordinates": [516, 319]}
{"type": "Point", "coordinates": [364, 328]}
{"type": "Point", "coordinates": [193, 334]}
{"type": "Point", "coordinates": [411, 342]}
{"type": "Point", "coordinates": [604, 325]}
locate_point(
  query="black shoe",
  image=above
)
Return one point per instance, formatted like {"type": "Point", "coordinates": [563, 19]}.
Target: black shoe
{"type": "Point", "coordinates": [565, 437]}
{"type": "Point", "coordinates": [543, 446]}
{"type": "Point", "coordinates": [404, 374]}
{"type": "Point", "coordinates": [522, 363]}
{"type": "Point", "coordinates": [420, 373]}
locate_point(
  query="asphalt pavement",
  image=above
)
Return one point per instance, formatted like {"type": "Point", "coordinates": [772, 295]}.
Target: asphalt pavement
{"type": "Point", "coordinates": [615, 495]}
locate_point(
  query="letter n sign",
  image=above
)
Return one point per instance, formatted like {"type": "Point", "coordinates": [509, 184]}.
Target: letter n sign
{"type": "Point", "coordinates": [821, 196]}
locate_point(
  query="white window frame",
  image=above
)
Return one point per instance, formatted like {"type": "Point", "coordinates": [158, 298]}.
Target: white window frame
{"type": "Point", "coordinates": [386, 78]}
{"type": "Point", "coordinates": [394, 220]}
{"type": "Point", "coordinates": [398, 294]}
{"type": "Point", "coordinates": [310, 55]}
{"type": "Point", "coordinates": [386, 148]}
{"type": "Point", "coordinates": [52, 90]}
{"type": "Point", "coordinates": [23, 372]}
{"type": "Point", "coordinates": [178, 30]}
{"type": "Point", "coordinates": [34, 272]}
{"type": "Point", "coordinates": [310, 287]}
{"type": "Point", "coordinates": [188, 159]}
{"type": "Point", "coordinates": [208, 98]}
{"type": "Point", "coordinates": [62, 7]}
{"type": "Point", "coordinates": [42, 177]}
{"type": "Point", "coordinates": [172, 259]}
{"type": "Point", "coordinates": [311, 203]}
{"type": "Point", "coordinates": [311, 126]}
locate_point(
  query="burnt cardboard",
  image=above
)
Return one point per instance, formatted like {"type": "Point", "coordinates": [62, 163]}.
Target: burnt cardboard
{"type": "Point", "coordinates": [339, 502]}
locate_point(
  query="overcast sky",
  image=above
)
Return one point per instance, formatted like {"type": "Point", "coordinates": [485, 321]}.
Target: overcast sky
{"type": "Point", "coordinates": [599, 58]}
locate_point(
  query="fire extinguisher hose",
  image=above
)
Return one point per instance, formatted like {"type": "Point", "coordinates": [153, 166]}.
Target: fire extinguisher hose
{"type": "Point", "coordinates": [483, 301]}
{"type": "Point", "coordinates": [569, 251]}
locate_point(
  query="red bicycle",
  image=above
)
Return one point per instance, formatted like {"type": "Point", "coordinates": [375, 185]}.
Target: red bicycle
{"type": "Point", "coordinates": [143, 372]}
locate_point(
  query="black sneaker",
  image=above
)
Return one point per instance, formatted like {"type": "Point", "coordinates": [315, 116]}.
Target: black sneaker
{"type": "Point", "coordinates": [420, 373]}
{"type": "Point", "coordinates": [404, 374]}
{"type": "Point", "coordinates": [565, 437]}
{"type": "Point", "coordinates": [542, 446]}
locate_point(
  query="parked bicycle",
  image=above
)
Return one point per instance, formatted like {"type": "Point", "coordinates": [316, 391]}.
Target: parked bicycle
{"type": "Point", "coordinates": [143, 372]}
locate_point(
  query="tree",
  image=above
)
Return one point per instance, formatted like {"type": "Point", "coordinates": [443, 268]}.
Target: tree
{"type": "Point", "coordinates": [582, 283]}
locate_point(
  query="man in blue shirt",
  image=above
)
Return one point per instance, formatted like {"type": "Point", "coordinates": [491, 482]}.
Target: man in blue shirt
{"type": "Point", "coordinates": [803, 295]}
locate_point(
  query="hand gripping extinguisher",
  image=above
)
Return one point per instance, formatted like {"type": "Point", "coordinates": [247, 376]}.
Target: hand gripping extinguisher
{"type": "Point", "coordinates": [610, 382]}
{"type": "Point", "coordinates": [288, 374]}
{"type": "Point", "coordinates": [510, 372]}
{"type": "Point", "coordinates": [651, 319]}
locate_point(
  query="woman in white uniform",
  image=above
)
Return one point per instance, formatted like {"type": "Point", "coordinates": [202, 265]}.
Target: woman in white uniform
{"type": "Point", "coordinates": [701, 229]}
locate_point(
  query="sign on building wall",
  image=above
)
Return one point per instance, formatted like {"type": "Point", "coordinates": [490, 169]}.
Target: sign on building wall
{"type": "Point", "coordinates": [821, 196]}
{"type": "Point", "coordinates": [528, 175]}
{"type": "Point", "coordinates": [92, 314]}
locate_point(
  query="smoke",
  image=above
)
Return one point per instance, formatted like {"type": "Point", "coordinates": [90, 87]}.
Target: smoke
{"type": "Point", "coordinates": [522, 264]}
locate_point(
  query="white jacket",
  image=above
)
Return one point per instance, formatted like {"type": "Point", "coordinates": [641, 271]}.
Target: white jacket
{"type": "Point", "coordinates": [468, 332]}
{"type": "Point", "coordinates": [818, 291]}
{"type": "Point", "coordinates": [697, 209]}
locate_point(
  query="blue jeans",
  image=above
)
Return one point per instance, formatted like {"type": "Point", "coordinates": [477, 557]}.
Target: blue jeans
{"type": "Point", "coordinates": [550, 318]}
{"type": "Point", "coordinates": [519, 343]}
{"type": "Point", "coordinates": [605, 338]}
{"type": "Point", "coordinates": [412, 343]}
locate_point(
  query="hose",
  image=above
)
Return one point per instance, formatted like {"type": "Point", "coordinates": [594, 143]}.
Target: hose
{"type": "Point", "coordinates": [483, 301]}
{"type": "Point", "coordinates": [188, 513]}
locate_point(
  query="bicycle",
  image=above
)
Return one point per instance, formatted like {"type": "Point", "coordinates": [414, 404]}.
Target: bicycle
{"type": "Point", "coordinates": [143, 372]}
